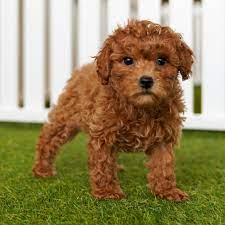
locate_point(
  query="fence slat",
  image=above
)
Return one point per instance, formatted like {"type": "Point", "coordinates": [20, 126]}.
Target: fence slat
{"type": "Point", "coordinates": [118, 13]}
{"type": "Point", "coordinates": [60, 43]}
{"type": "Point", "coordinates": [88, 30]}
{"type": "Point", "coordinates": [213, 57]}
{"type": "Point", "coordinates": [181, 22]}
{"type": "Point", "coordinates": [149, 10]}
{"type": "Point", "coordinates": [197, 27]}
{"type": "Point", "coordinates": [24, 116]}
{"type": "Point", "coordinates": [34, 54]}
{"type": "Point", "coordinates": [9, 54]}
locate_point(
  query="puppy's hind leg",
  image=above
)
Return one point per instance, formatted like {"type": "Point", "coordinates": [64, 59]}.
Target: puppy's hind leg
{"type": "Point", "coordinates": [52, 137]}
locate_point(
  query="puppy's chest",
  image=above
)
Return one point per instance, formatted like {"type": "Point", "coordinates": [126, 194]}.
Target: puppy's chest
{"type": "Point", "coordinates": [135, 136]}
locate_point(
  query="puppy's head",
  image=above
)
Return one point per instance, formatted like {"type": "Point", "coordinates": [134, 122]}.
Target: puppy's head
{"type": "Point", "coordinates": [142, 62]}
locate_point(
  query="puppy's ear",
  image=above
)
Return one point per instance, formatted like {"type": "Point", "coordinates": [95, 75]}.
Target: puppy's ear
{"type": "Point", "coordinates": [186, 59]}
{"type": "Point", "coordinates": [103, 62]}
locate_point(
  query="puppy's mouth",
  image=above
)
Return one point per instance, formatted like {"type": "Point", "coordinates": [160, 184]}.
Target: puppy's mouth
{"type": "Point", "coordinates": [148, 96]}
{"type": "Point", "coordinates": [146, 92]}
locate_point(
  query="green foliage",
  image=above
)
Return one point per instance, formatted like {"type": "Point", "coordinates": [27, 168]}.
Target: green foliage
{"type": "Point", "coordinates": [197, 99]}
{"type": "Point", "coordinates": [66, 198]}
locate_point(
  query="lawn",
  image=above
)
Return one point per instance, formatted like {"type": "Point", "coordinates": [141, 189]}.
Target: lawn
{"type": "Point", "coordinates": [66, 200]}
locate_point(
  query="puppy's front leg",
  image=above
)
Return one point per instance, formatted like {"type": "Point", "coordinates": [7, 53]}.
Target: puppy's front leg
{"type": "Point", "coordinates": [103, 170]}
{"type": "Point", "coordinates": [161, 179]}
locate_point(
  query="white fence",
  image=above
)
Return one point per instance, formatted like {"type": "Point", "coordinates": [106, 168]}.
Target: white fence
{"type": "Point", "coordinates": [42, 40]}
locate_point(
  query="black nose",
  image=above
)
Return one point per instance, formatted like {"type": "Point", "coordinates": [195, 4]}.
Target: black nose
{"type": "Point", "coordinates": [146, 82]}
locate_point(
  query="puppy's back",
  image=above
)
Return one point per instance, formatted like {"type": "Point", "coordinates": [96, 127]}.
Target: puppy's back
{"type": "Point", "coordinates": [79, 96]}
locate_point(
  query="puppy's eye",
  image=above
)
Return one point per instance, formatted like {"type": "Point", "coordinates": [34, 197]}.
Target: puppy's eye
{"type": "Point", "coordinates": [128, 61]}
{"type": "Point", "coordinates": [161, 61]}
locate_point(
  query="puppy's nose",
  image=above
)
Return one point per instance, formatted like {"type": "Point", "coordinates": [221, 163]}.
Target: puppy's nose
{"type": "Point", "coordinates": [146, 82]}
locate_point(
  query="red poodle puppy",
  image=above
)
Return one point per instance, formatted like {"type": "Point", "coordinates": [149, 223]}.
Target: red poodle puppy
{"type": "Point", "coordinates": [129, 99]}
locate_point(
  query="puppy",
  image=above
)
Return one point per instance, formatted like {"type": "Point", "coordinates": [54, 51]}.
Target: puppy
{"type": "Point", "coordinates": [129, 99]}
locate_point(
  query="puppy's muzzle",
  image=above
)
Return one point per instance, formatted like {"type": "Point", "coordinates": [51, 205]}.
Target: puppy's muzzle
{"type": "Point", "coordinates": [146, 82]}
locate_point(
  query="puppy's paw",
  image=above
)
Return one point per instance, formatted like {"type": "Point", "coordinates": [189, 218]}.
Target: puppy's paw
{"type": "Point", "coordinates": [41, 171]}
{"type": "Point", "coordinates": [109, 195]}
{"type": "Point", "coordinates": [120, 168]}
{"type": "Point", "coordinates": [174, 194]}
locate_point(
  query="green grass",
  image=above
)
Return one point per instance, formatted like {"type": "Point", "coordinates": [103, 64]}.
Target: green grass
{"type": "Point", "coordinates": [65, 199]}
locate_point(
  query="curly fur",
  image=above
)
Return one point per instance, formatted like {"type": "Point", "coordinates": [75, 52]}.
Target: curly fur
{"type": "Point", "coordinates": [104, 100]}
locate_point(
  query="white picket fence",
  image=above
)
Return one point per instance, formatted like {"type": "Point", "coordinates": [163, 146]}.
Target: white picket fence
{"type": "Point", "coordinates": [42, 40]}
